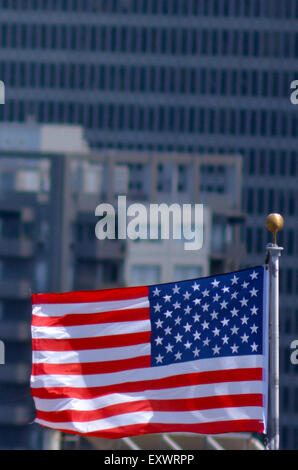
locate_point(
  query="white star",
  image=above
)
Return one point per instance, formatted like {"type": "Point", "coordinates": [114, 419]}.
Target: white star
{"type": "Point", "coordinates": [254, 328]}
{"type": "Point", "coordinates": [235, 280]}
{"type": "Point", "coordinates": [206, 342]}
{"type": "Point", "coordinates": [197, 301]}
{"type": "Point", "coordinates": [158, 340]}
{"type": "Point", "coordinates": [187, 309]}
{"type": "Point", "coordinates": [168, 330]}
{"type": "Point", "coordinates": [243, 302]}
{"type": "Point", "coordinates": [253, 292]}
{"type": "Point", "coordinates": [234, 312]}
{"type": "Point", "coordinates": [205, 307]}
{"type": "Point", "coordinates": [225, 289]}
{"type": "Point", "coordinates": [225, 339]}
{"type": "Point", "coordinates": [205, 325]}
{"type": "Point", "coordinates": [157, 308]}
{"type": "Point", "coordinates": [176, 305]}
{"type": "Point", "coordinates": [195, 286]}
{"type": "Point", "coordinates": [187, 327]}
{"type": "Point", "coordinates": [169, 348]}
{"type": "Point", "coordinates": [254, 310]}
{"type": "Point", "coordinates": [168, 313]}
{"type": "Point", "coordinates": [244, 319]}
{"type": "Point", "coordinates": [254, 275]}
{"type": "Point", "coordinates": [159, 358]}
{"type": "Point", "coordinates": [214, 315]}
{"type": "Point", "coordinates": [216, 349]}
{"type": "Point", "coordinates": [225, 321]}
{"type": "Point", "coordinates": [186, 295]}
{"type": "Point", "coordinates": [234, 295]}
{"type": "Point", "coordinates": [234, 330]}
{"type": "Point", "coordinates": [215, 283]}
{"type": "Point", "coordinates": [244, 338]}
{"type": "Point", "coordinates": [205, 293]}
{"type": "Point", "coordinates": [196, 317]}
{"type": "Point", "coordinates": [156, 292]}
{"type": "Point", "coordinates": [254, 347]}
{"type": "Point", "coordinates": [244, 285]}
{"type": "Point", "coordinates": [187, 345]}
{"type": "Point", "coordinates": [196, 352]}
{"type": "Point", "coordinates": [234, 348]}
{"type": "Point", "coordinates": [176, 289]}
{"type": "Point", "coordinates": [177, 321]}
{"type": "Point", "coordinates": [223, 304]}
{"type": "Point", "coordinates": [167, 298]}
{"type": "Point", "coordinates": [158, 323]}
{"type": "Point", "coordinates": [178, 338]}
{"type": "Point", "coordinates": [215, 332]}
{"type": "Point", "coordinates": [196, 335]}
{"type": "Point", "coordinates": [178, 355]}
{"type": "Point", "coordinates": [216, 297]}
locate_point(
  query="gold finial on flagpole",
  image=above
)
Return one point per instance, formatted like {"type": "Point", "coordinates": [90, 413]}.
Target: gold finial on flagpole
{"type": "Point", "coordinates": [274, 224]}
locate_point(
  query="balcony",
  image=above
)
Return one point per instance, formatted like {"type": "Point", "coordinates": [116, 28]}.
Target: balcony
{"type": "Point", "coordinates": [100, 250]}
{"type": "Point", "coordinates": [229, 258]}
{"type": "Point", "coordinates": [16, 247]}
{"type": "Point", "coordinates": [15, 331]}
{"type": "Point", "coordinates": [15, 415]}
{"type": "Point", "coordinates": [15, 373]}
{"type": "Point", "coordinates": [14, 289]}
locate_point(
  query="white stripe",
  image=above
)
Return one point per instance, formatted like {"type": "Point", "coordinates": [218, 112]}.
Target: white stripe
{"type": "Point", "coordinates": [59, 310]}
{"type": "Point", "coordinates": [90, 331]}
{"type": "Point", "coordinates": [189, 417]}
{"type": "Point", "coordinates": [194, 391]}
{"type": "Point", "coordinates": [149, 373]}
{"type": "Point", "coordinates": [93, 355]}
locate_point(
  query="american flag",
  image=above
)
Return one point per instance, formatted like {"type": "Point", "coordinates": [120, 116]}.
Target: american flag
{"type": "Point", "coordinates": [187, 356]}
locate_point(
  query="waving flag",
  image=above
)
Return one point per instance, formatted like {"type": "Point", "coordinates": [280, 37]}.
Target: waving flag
{"type": "Point", "coordinates": [189, 356]}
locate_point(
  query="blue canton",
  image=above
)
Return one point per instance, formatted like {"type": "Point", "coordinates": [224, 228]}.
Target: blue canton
{"type": "Point", "coordinates": [205, 318]}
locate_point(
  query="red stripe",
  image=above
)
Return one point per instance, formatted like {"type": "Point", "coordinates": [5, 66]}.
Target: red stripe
{"type": "Point", "coordinates": [178, 405]}
{"type": "Point", "coordinates": [98, 342]}
{"type": "Point", "coordinates": [114, 316]}
{"type": "Point", "coordinates": [123, 293]}
{"type": "Point", "coordinates": [92, 367]}
{"type": "Point", "coordinates": [198, 378]}
{"type": "Point", "coordinates": [243, 425]}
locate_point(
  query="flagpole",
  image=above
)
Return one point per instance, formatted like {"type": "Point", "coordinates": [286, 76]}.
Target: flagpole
{"type": "Point", "coordinates": [274, 223]}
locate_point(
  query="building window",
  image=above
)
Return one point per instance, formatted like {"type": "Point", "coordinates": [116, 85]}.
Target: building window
{"type": "Point", "coordinates": [249, 240]}
{"type": "Point", "coordinates": [28, 180]}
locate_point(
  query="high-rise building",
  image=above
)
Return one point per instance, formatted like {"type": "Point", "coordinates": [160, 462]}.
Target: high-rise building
{"type": "Point", "coordinates": [210, 76]}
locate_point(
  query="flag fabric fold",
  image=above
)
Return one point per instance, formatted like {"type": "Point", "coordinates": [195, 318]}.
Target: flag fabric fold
{"type": "Point", "coordinates": [187, 356]}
